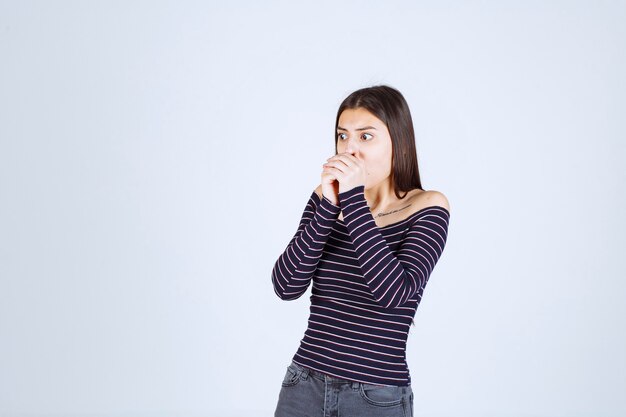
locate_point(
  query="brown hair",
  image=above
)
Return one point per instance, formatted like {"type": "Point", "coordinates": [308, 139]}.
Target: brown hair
{"type": "Point", "coordinates": [388, 105]}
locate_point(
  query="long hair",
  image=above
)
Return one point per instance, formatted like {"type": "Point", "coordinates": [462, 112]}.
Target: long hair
{"type": "Point", "coordinates": [388, 105]}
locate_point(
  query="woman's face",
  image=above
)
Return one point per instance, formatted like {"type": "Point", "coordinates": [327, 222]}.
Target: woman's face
{"type": "Point", "coordinates": [365, 136]}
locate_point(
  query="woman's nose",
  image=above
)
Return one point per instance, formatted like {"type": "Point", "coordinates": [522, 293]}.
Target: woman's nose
{"type": "Point", "coordinates": [351, 147]}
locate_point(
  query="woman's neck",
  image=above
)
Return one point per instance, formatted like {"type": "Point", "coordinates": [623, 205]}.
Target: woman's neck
{"type": "Point", "coordinates": [380, 196]}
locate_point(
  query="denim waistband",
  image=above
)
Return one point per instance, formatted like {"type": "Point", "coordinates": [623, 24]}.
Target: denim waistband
{"type": "Point", "coordinates": [328, 378]}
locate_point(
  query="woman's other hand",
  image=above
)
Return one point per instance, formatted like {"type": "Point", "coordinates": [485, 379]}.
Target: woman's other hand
{"type": "Point", "coordinates": [330, 187]}
{"type": "Point", "coordinates": [347, 169]}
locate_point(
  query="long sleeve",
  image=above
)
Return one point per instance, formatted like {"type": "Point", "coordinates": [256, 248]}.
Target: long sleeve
{"type": "Point", "coordinates": [394, 279]}
{"type": "Point", "coordinates": [294, 268]}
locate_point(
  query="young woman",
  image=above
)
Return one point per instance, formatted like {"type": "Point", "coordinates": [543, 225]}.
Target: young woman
{"type": "Point", "coordinates": [368, 240]}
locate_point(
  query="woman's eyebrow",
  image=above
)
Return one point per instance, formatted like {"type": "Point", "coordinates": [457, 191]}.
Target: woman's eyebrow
{"type": "Point", "coordinates": [361, 128]}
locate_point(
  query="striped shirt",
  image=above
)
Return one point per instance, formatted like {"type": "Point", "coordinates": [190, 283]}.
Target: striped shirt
{"type": "Point", "coordinates": [367, 284]}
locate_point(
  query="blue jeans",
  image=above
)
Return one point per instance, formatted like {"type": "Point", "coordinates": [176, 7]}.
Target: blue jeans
{"type": "Point", "coordinates": [309, 393]}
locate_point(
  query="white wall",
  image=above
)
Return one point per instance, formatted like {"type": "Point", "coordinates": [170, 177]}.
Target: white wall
{"type": "Point", "coordinates": [155, 159]}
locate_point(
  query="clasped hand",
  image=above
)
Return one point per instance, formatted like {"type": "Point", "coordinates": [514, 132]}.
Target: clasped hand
{"type": "Point", "coordinates": [342, 172]}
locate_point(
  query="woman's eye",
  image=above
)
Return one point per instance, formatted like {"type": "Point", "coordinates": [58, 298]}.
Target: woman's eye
{"type": "Point", "coordinates": [366, 136]}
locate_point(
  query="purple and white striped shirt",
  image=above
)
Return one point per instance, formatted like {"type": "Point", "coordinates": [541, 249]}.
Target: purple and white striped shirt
{"type": "Point", "coordinates": [367, 284]}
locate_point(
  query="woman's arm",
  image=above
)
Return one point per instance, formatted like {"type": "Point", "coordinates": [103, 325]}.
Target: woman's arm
{"type": "Point", "coordinates": [394, 279]}
{"type": "Point", "coordinates": [294, 268]}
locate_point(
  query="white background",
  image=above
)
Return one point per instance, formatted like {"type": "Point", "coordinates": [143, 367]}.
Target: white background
{"type": "Point", "coordinates": [155, 159]}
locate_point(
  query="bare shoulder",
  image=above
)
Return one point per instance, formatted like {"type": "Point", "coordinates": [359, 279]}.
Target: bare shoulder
{"type": "Point", "coordinates": [429, 198]}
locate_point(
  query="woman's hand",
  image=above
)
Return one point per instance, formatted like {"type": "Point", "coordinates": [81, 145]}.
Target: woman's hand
{"type": "Point", "coordinates": [347, 169]}
{"type": "Point", "coordinates": [330, 187]}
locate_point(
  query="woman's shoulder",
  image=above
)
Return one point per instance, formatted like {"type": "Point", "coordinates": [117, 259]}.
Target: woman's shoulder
{"type": "Point", "coordinates": [419, 199]}
{"type": "Point", "coordinates": [428, 198]}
